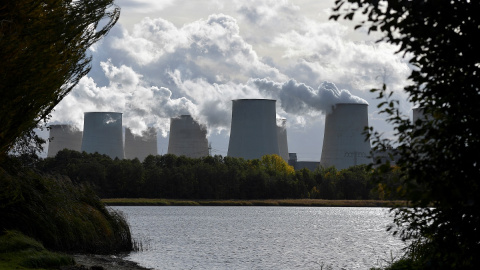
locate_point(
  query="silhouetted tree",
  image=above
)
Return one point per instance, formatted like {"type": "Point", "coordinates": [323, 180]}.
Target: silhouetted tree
{"type": "Point", "coordinates": [439, 162]}
{"type": "Point", "coordinates": [43, 55]}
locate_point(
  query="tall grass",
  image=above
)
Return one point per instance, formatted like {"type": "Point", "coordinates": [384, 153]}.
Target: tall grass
{"type": "Point", "coordinates": [61, 215]}
{"type": "Point", "coordinates": [18, 250]}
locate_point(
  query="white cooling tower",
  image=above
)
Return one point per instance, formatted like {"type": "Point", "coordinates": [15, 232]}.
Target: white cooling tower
{"type": "Point", "coordinates": [282, 139]}
{"type": "Point", "coordinates": [418, 114]}
{"type": "Point", "coordinates": [102, 133]}
{"type": "Point", "coordinates": [140, 146]}
{"type": "Point", "coordinates": [64, 136]}
{"type": "Point", "coordinates": [344, 143]}
{"type": "Point", "coordinates": [187, 137]}
{"type": "Point", "coordinates": [253, 132]}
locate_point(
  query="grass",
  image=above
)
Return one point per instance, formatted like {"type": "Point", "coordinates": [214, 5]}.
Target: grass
{"type": "Point", "coordinates": [18, 251]}
{"type": "Point", "coordinates": [270, 202]}
{"type": "Point", "coordinates": [63, 216]}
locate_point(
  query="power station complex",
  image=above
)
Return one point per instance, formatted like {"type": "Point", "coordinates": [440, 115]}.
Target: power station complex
{"type": "Point", "coordinates": [255, 131]}
{"type": "Point", "coordinates": [64, 136]}
{"type": "Point", "coordinates": [140, 146]}
{"type": "Point", "coordinates": [344, 144]}
{"type": "Point", "coordinates": [187, 138]}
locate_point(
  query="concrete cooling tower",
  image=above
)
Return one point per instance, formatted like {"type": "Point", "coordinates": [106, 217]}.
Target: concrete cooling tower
{"type": "Point", "coordinates": [253, 132]}
{"type": "Point", "coordinates": [418, 114]}
{"type": "Point", "coordinates": [64, 136]}
{"type": "Point", "coordinates": [140, 147]}
{"type": "Point", "coordinates": [282, 140]}
{"type": "Point", "coordinates": [187, 137]}
{"type": "Point", "coordinates": [102, 133]}
{"type": "Point", "coordinates": [344, 143]}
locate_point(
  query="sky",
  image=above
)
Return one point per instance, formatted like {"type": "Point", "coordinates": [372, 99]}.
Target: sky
{"type": "Point", "coordinates": [165, 58]}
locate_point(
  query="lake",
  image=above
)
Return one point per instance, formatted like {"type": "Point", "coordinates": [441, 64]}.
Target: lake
{"type": "Point", "coordinates": [252, 237]}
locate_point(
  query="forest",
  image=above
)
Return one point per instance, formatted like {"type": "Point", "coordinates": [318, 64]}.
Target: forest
{"type": "Point", "coordinates": [212, 177]}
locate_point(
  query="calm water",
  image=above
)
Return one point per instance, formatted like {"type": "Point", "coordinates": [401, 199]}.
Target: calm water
{"type": "Point", "coordinates": [201, 237]}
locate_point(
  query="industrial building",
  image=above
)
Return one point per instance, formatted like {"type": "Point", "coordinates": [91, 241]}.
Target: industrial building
{"type": "Point", "coordinates": [344, 143]}
{"type": "Point", "coordinates": [140, 146]}
{"type": "Point", "coordinates": [187, 137]}
{"type": "Point", "coordinates": [253, 132]}
{"type": "Point", "coordinates": [298, 165]}
{"type": "Point", "coordinates": [63, 137]}
{"type": "Point", "coordinates": [103, 133]}
{"type": "Point", "coordinates": [282, 139]}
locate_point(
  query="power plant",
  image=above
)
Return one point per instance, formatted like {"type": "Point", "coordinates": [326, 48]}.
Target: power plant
{"type": "Point", "coordinates": [253, 132]}
{"type": "Point", "coordinates": [417, 113]}
{"type": "Point", "coordinates": [103, 133]}
{"type": "Point", "coordinates": [344, 143]}
{"type": "Point", "coordinates": [63, 137]}
{"type": "Point", "coordinates": [187, 137]}
{"type": "Point", "coordinates": [282, 140]}
{"type": "Point", "coordinates": [140, 146]}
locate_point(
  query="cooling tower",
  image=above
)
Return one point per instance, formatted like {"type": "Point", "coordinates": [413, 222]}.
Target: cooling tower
{"type": "Point", "coordinates": [282, 140]}
{"type": "Point", "coordinates": [417, 113]}
{"type": "Point", "coordinates": [187, 137]}
{"type": "Point", "coordinates": [64, 136]}
{"type": "Point", "coordinates": [344, 143]}
{"type": "Point", "coordinates": [253, 132]}
{"type": "Point", "coordinates": [102, 133]}
{"type": "Point", "coordinates": [140, 147]}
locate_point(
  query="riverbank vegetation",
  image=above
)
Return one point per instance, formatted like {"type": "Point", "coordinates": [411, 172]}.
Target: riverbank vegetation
{"type": "Point", "coordinates": [18, 251]}
{"type": "Point", "coordinates": [271, 202]}
{"type": "Point", "coordinates": [215, 178]}
{"type": "Point", "coordinates": [61, 215]}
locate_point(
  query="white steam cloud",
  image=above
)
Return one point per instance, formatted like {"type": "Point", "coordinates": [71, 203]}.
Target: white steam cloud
{"type": "Point", "coordinates": [160, 71]}
{"type": "Point", "coordinates": [299, 98]}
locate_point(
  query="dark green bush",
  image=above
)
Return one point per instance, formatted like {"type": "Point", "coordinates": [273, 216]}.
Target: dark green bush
{"type": "Point", "coordinates": [60, 214]}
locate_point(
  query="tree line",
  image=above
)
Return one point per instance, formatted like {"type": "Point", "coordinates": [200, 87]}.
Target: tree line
{"type": "Point", "coordinates": [211, 177]}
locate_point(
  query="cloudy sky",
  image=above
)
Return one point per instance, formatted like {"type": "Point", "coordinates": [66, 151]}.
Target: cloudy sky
{"type": "Point", "coordinates": [165, 58]}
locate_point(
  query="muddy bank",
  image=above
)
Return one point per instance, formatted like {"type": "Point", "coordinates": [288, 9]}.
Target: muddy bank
{"type": "Point", "coordinates": [102, 262]}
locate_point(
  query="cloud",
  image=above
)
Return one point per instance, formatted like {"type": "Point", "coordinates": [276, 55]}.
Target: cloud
{"type": "Point", "coordinates": [143, 6]}
{"type": "Point", "coordinates": [301, 99]}
{"type": "Point", "coordinates": [127, 93]}
{"type": "Point", "coordinates": [158, 70]}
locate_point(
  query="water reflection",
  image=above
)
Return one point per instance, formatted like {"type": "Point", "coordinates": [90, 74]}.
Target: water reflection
{"type": "Point", "coordinates": [200, 237]}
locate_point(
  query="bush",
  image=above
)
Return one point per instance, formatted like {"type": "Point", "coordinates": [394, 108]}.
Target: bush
{"type": "Point", "coordinates": [63, 216]}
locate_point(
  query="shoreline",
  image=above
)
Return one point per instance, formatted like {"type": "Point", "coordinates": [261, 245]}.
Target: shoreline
{"type": "Point", "coordinates": [104, 262]}
{"type": "Point", "coordinates": [269, 202]}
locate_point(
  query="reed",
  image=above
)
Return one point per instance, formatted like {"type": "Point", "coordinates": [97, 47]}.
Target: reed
{"type": "Point", "coordinates": [61, 215]}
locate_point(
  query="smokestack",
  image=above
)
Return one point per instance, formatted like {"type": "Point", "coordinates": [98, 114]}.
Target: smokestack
{"type": "Point", "coordinates": [282, 140]}
{"type": "Point", "coordinates": [253, 133]}
{"type": "Point", "coordinates": [187, 138]}
{"type": "Point", "coordinates": [140, 146]}
{"type": "Point", "coordinates": [344, 143]}
{"type": "Point", "coordinates": [64, 136]}
{"type": "Point", "coordinates": [102, 133]}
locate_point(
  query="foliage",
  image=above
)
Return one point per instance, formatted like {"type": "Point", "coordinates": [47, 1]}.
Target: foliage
{"type": "Point", "coordinates": [18, 251]}
{"type": "Point", "coordinates": [439, 164]}
{"type": "Point", "coordinates": [61, 215]}
{"type": "Point", "coordinates": [216, 177]}
{"type": "Point", "coordinates": [43, 48]}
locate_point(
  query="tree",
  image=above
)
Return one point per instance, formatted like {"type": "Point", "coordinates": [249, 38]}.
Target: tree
{"type": "Point", "coordinates": [43, 51]}
{"type": "Point", "coordinates": [439, 162]}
